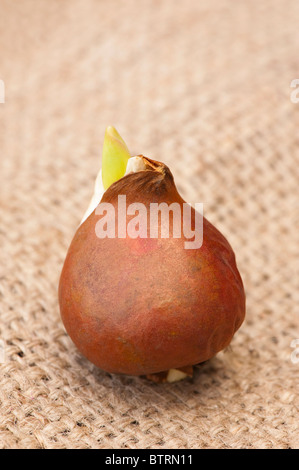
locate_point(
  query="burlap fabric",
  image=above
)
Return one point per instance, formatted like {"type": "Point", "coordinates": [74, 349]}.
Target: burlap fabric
{"type": "Point", "coordinates": [205, 87]}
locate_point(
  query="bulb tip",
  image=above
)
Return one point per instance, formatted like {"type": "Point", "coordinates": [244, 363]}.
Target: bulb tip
{"type": "Point", "coordinates": [115, 157]}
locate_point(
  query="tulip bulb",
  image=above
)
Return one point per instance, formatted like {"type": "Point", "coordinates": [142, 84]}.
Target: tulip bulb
{"type": "Point", "coordinates": [143, 305]}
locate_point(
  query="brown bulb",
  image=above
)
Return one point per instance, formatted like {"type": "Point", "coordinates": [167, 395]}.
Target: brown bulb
{"type": "Point", "coordinates": [143, 306]}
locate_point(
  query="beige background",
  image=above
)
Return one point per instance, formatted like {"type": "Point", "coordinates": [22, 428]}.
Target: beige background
{"type": "Point", "coordinates": [205, 87]}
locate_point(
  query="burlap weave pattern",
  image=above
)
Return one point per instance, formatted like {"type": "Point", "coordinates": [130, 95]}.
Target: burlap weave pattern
{"type": "Point", "coordinates": [205, 87]}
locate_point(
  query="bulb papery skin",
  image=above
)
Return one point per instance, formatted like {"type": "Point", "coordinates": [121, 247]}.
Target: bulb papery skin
{"type": "Point", "coordinates": [141, 306]}
{"type": "Point", "coordinates": [134, 164]}
{"type": "Point", "coordinates": [96, 197]}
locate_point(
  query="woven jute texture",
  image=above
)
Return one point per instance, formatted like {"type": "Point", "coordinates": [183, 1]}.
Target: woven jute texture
{"type": "Point", "coordinates": [204, 87]}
